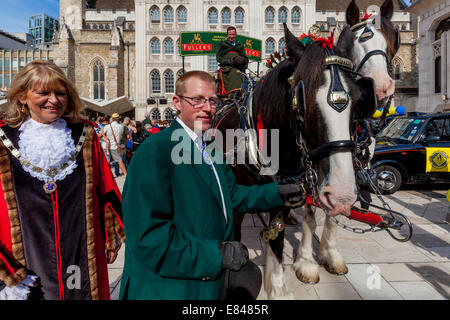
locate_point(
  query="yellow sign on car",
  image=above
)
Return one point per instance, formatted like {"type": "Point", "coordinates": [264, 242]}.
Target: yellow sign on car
{"type": "Point", "coordinates": [438, 160]}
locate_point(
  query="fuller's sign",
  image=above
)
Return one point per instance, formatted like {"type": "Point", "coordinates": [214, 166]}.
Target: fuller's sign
{"type": "Point", "coordinates": [205, 43]}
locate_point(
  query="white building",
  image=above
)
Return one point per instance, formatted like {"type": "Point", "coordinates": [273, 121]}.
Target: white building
{"type": "Point", "coordinates": [434, 54]}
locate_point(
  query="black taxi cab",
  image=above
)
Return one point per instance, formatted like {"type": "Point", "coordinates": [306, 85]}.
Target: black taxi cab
{"type": "Point", "coordinates": [413, 149]}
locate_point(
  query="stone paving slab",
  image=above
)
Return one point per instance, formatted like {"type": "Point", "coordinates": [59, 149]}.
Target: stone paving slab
{"type": "Point", "coordinates": [417, 290]}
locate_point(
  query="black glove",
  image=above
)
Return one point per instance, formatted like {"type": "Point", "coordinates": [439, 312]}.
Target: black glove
{"type": "Point", "coordinates": [292, 194]}
{"type": "Point", "coordinates": [234, 255]}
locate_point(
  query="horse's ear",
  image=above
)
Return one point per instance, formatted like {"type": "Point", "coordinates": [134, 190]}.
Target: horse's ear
{"type": "Point", "coordinates": [387, 9]}
{"type": "Point", "coordinates": [352, 14]}
{"type": "Point", "coordinates": [346, 42]}
{"type": "Point", "coordinates": [294, 48]}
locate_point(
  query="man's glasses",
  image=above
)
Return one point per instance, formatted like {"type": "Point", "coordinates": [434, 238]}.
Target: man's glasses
{"type": "Point", "coordinates": [197, 102]}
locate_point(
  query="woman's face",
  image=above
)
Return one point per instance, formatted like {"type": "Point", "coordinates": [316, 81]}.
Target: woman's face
{"type": "Point", "coordinates": [46, 105]}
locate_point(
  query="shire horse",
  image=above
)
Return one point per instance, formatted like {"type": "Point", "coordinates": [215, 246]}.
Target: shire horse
{"type": "Point", "coordinates": [316, 137]}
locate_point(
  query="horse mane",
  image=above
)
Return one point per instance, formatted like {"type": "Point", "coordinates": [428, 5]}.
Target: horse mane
{"type": "Point", "coordinates": [272, 94]}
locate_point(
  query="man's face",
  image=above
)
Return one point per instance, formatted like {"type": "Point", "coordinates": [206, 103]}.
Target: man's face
{"type": "Point", "coordinates": [231, 35]}
{"type": "Point", "coordinates": [202, 116]}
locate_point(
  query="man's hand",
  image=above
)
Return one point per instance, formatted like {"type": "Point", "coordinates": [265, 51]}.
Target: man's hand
{"type": "Point", "coordinates": [292, 194]}
{"type": "Point", "coordinates": [234, 255]}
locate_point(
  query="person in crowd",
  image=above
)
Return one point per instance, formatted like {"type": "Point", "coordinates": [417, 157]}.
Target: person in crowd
{"type": "Point", "coordinates": [147, 130]}
{"type": "Point", "coordinates": [103, 140]}
{"type": "Point", "coordinates": [155, 127]}
{"type": "Point", "coordinates": [178, 216]}
{"type": "Point", "coordinates": [117, 137]}
{"type": "Point", "coordinates": [146, 120]}
{"type": "Point", "coordinates": [138, 136]}
{"type": "Point", "coordinates": [60, 218]}
{"type": "Point", "coordinates": [230, 55]}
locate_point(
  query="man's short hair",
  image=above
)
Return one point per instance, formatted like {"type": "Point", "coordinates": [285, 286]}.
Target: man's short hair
{"type": "Point", "coordinates": [231, 28]}
{"type": "Point", "coordinates": [180, 85]}
{"type": "Point", "coordinates": [147, 126]}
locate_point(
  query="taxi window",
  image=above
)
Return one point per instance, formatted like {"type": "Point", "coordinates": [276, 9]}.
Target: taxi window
{"type": "Point", "coordinates": [402, 129]}
{"type": "Point", "coordinates": [434, 127]}
{"type": "Point", "coordinates": [446, 130]}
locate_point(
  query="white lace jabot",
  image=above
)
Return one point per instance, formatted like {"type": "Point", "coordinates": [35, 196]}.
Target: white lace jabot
{"type": "Point", "coordinates": [47, 146]}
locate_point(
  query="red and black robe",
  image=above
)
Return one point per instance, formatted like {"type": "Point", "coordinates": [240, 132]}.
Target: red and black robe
{"type": "Point", "coordinates": [60, 237]}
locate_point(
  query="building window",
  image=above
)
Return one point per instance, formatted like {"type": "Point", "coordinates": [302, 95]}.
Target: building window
{"type": "Point", "coordinates": [270, 15]}
{"type": "Point", "coordinates": [94, 26]}
{"type": "Point", "coordinates": [107, 27]}
{"type": "Point", "coordinates": [239, 16]}
{"type": "Point", "coordinates": [169, 82]}
{"type": "Point", "coordinates": [168, 15]}
{"type": "Point", "coordinates": [226, 16]}
{"type": "Point", "coordinates": [156, 81]}
{"type": "Point", "coordinates": [180, 73]}
{"type": "Point", "coordinates": [168, 114]}
{"type": "Point", "coordinates": [281, 45]}
{"type": "Point", "coordinates": [270, 46]}
{"type": "Point", "coordinates": [168, 46]}
{"type": "Point", "coordinates": [156, 47]}
{"type": "Point", "coordinates": [155, 15]}
{"type": "Point", "coordinates": [212, 63]}
{"type": "Point", "coordinates": [397, 67]}
{"type": "Point", "coordinates": [99, 81]}
{"type": "Point", "coordinates": [443, 26]}
{"type": "Point", "coordinates": [100, 27]}
{"type": "Point", "coordinates": [213, 16]}
{"type": "Point", "coordinates": [437, 75]}
{"type": "Point", "coordinates": [282, 15]}
{"type": "Point", "coordinates": [182, 15]}
{"type": "Point", "coordinates": [155, 114]}
{"type": "Point", "coordinates": [296, 15]}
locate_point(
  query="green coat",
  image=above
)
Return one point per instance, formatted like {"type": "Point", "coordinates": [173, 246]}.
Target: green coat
{"type": "Point", "coordinates": [230, 77]}
{"type": "Point", "coordinates": [174, 221]}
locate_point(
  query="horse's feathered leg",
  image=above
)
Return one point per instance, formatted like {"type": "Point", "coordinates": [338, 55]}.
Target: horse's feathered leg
{"type": "Point", "coordinates": [306, 268]}
{"type": "Point", "coordinates": [329, 256]}
{"type": "Point", "coordinates": [274, 282]}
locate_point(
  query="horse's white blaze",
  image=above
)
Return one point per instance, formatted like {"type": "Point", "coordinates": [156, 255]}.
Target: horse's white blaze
{"type": "Point", "coordinates": [338, 192]}
{"type": "Point", "coordinates": [376, 67]}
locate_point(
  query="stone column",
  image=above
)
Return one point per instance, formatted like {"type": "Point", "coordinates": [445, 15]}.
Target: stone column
{"type": "Point", "coordinates": [444, 56]}
{"type": "Point", "coordinates": [447, 77]}
{"type": "Point", "coordinates": [141, 91]}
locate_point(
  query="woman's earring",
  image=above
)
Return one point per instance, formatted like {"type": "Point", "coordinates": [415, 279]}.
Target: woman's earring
{"type": "Point", "coordinates": [24, 110]}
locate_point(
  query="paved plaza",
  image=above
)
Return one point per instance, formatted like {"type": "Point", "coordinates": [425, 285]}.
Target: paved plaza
{"type": "Point", "coordinates": [379, 267]}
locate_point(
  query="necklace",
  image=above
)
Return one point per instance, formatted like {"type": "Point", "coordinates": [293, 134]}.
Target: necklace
{"type": "Point", "coordinates": [50, 185]}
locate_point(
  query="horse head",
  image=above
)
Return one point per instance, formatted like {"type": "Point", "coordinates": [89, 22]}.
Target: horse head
{"type": "Point", "coordinates": [375, 45]}
{"type": "Point", "coordinates": [331, 97]}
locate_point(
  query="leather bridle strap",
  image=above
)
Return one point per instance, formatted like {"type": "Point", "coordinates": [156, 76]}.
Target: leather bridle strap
{"type": "Point", "coordinates": [371, 54]}
{"type": "Point", "coordinates": [326, 149]}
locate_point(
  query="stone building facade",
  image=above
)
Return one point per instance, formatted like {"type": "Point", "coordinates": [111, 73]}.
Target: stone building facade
{"type": "Point", "coordinates": [434, 54]}
{"type": "Point", "coordinates": [96, 47]}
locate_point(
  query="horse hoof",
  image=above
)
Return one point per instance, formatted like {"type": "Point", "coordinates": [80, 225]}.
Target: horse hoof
{"type": "Point", "coordinates": [337, 271]}
{"type": "Point", "coordinates": [307, 280]}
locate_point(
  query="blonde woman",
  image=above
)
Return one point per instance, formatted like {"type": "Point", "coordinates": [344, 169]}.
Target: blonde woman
{"type": "Point", "coordinates": [60, 208]}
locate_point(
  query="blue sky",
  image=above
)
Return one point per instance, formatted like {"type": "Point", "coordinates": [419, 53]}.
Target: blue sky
{"type": "Point", "coordinates": [14, 14]}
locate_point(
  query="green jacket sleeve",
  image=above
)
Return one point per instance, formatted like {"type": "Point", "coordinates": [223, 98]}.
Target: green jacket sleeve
{"type": "Point", "coordinates": [151, 235]}
{"type": "Point", "coordinates": [255, 198]}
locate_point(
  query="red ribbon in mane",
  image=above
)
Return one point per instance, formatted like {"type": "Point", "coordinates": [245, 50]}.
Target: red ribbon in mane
{"type": "Point", "coordinates": [367, 16]}
{"type": "Point", "coordinates": [326, 42]}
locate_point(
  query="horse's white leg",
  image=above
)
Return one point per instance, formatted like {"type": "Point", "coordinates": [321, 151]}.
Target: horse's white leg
{"type": "Point", "coordinates": [329, 256]}
{"type": "Point", "coordinates": [274, 280]}
{"type": "Point", "coordinates": [306, 268]}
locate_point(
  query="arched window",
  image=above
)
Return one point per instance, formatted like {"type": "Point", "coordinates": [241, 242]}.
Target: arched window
{"type": "Point", "coordinates": [155, 15]}
{"type": "Point", "coordinates": [156, 47]}
{"type": "Point", "coordinates": [100, 26]}
{"type": "Point", "coordinates": [270, 15]}
{"type": "Point", "coordinates": [397, 68]}
{"type": "Point", "coordinates": [295, 15]}
{"type": "Point", "coordinates": [213, 16]}
{"type": "Point", "coordinates": [99, 81]}
{"type": "Point", "coordinates": [168, 46]}
{"type": "Point", "coordinates": [155, 114]}
{"type": "Point", "coordinates": [443, 26]}
{"type": "Point", "coordinates": [270, 46]}
{"type": "Point", "coordinates": [212, 63]}
{"type": "Point", "coordinates": [282, 15]}
{"type": "Point", "coordinates": [226, 16]}
{"type": "Point", "coordinates": [281, 45]}
{"type": "Point", "coordinates": [437, 75]}
{"type": "Point", "coordinates": [182, 15]}
{"type": "Point", "coordinates": [95, 27]}
{"type": "Point", "coordinates": [169, 82]}
{"type": "Point", "coordinates": [180, 73]}
{"type": "Point", "coordinates": [107, 27]}
{"type": "Point", "coordinates": [168, 15]}
{"type": "Point", "coordinates": [156, 81]}
{"type": "Point", "coordinates": [239, 16]}
{"type": "Point", "coordinates": [168, 114]}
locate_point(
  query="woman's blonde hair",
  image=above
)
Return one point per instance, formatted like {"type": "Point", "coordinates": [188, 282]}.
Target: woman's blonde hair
{"type": "Point", "coordinates": [46, 75]}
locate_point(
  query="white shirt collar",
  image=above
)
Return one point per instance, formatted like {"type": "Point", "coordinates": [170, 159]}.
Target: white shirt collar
{"type": "Point", "coordinates": [189, 131]}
